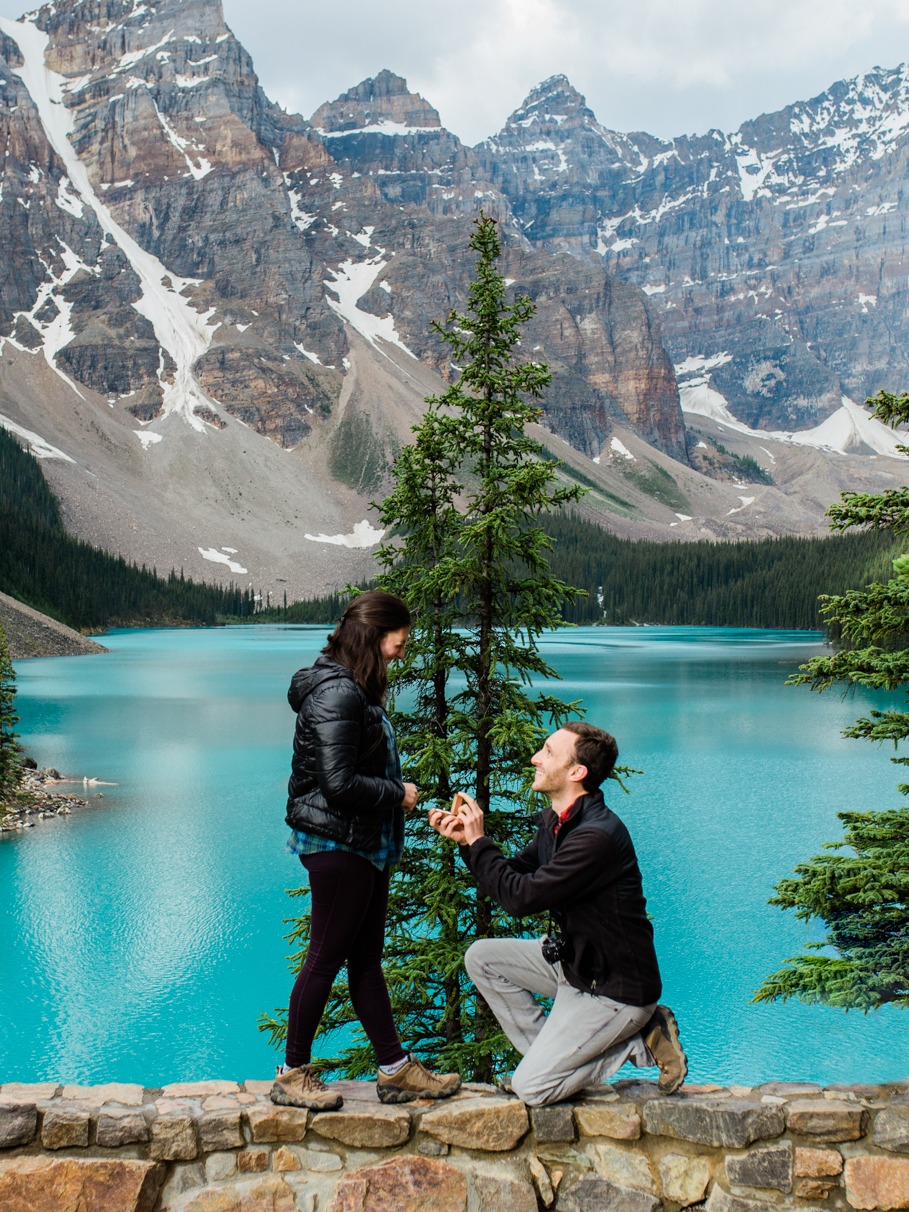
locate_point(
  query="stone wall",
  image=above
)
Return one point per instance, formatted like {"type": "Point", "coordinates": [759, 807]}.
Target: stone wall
{"type": "Point", "coordinates": [221, 1146]}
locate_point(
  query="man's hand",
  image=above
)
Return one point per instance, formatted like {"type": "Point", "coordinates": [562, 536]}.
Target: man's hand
{"type": "Point", "coordinates": [411, 795]}
{"type": "Point", "coordinates": [464, 827]}
{"type": "Point", "coordinates": [448, 825]}
{"type": "Point", "coordinates": [472, 819]}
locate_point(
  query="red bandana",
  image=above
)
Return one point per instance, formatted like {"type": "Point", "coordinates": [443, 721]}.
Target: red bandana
{"type": "Point", "coordinates": [563, 817]}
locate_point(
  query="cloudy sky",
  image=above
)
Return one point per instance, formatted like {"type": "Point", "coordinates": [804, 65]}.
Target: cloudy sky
{"type": "Point", "coordinates": [666, 66]}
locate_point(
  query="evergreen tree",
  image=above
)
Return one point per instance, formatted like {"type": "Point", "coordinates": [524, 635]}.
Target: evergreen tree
{"type": "Point", "coordinates": [861, 893]}
{"type": "Point", "coordinates": [468, 496]}
{"type": "Point", "coordinates": [10, 769]}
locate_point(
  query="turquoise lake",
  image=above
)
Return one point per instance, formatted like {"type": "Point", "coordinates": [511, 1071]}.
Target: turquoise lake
{"type": "Point", "coordinates": [141, 939]}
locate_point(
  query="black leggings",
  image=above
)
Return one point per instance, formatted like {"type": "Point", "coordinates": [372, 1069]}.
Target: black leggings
{"type": "Point", "coordinates": [349, 903]}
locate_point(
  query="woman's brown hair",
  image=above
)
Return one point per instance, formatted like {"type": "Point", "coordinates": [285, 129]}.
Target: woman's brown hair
{"type": "Point", "coordinates": [356, 639]}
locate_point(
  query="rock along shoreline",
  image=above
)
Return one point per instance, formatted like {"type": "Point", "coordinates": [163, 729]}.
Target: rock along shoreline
{"type": "Point", "coordinates": [35, 800]}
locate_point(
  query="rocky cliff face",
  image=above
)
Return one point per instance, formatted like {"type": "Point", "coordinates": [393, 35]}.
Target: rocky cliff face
{"type": "Point", "coordinates": [215, 244]}
{"type": "Point", "coordinates": [780, 246]}
{"type": "Point", "coordinates": [388, 146]}
{"type": "Point", "coordinates": [149, 160]}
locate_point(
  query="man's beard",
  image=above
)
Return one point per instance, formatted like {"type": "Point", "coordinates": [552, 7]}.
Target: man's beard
{"type": "Point", "coordinates": [548, 783]}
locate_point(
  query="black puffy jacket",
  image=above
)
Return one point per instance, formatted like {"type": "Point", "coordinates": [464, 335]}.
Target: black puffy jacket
{"type": "Point", "coordinates": [338, 788]}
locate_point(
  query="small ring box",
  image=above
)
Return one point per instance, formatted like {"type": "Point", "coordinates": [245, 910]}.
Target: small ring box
{"type": "Point", "coordinates": [458, 803]}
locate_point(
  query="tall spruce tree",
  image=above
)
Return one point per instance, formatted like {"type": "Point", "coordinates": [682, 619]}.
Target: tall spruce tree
{"type": "Point", "coordinates": [10, 769]}
{"type": "Point", "coordinates": [861, 891]}
{"type": "Point", "coordinates": [472, 565]}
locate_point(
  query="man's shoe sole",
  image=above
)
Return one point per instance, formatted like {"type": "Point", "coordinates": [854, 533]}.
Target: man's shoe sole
{"type": "Point", "coordinates": [281, 1099]}
{"type": "Point", "coordinates": [392, 1095]}
{"type": "Point", "coordinates": [674, 1083]}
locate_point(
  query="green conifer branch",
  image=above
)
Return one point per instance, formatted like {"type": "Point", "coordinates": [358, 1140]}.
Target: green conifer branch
{"type": "Point", "coordinates": [860, 893]}
{"type": "Point", "coordinates": [10, 768]}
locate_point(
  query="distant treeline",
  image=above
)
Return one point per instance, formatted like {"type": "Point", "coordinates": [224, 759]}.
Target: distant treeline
{"type": "Point", "coordinates": [43, 566]}
{"type": "Point", "coordinates": [771, 583]}
{"type": "Point", "coordinates": [326, 609]}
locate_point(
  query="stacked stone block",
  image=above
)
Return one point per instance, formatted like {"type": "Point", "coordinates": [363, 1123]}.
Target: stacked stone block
{"type": "Point", "coordinates": [222, 1146]}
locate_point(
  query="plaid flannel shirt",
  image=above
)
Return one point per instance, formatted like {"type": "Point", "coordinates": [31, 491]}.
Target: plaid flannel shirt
{"type": "Point", "coordinates": [391, 842]}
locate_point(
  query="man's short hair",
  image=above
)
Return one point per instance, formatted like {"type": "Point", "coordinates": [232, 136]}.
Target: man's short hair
{"type": "Point", "coordinates": [595, 749]}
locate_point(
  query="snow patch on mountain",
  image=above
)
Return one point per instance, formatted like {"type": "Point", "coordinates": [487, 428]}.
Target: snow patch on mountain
{"type": "Point", "coordinates": [753, 170]}
{"type": "Point", "coordinates": [178, 327]}
{"type": "Point", "coordinates": [36, 444]}
{"type": "Point", "coordinates": [699, 364]}
{"type": "Point", "coordinates": [56, 332]}
{"type": "Point", "coordinates": [131, 58]}
{"type": "Point", "coordinates": [71, 203]}
{"type": "Point", "coordinates": [148, 439]}
{"type": "Point", "coordinates": [299, 217]}
{"type": "Point", "coordinates": [385, 127]}
{"type": "Point", "coordinates": [351, 281]}
{"type": "Point", "coordinates": [198, 171]}
{"type": "Point", "coordinates": [218, 557]}
{"type": "Point", "coordinates": [850, 429]}
{"type": "Point", "coordinates": [362, 535]}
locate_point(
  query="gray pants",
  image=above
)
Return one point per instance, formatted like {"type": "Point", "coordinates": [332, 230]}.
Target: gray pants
{"type": "Point", "coordinates": [584, 1040]}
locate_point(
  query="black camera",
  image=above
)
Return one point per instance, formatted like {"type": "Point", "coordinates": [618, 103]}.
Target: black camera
{"type": "Point", "coordinates": [553, 948]}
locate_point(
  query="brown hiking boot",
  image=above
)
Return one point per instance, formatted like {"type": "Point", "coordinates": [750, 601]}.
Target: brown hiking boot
{"type": "Point", "coordinates": [661, 1035]}
{"type": "Point", "coordinates": [414, 1080]}
{"type": "Point", "coordinates": [302, 1087]}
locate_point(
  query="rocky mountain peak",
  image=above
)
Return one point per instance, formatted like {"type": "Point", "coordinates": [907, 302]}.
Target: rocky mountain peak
{"type": "Point", "coordinates": [800, 148]}
{"type": "Point", "coordinates": [556, 136]}
{"type": "Point", "coordinates": [777, 248]}
{"type": "Point", "coordinates": [381, 102]}
{"type": "Point", "coordinates": [554, 100]}
{"type": "Point", "coordinates": [123, 32]}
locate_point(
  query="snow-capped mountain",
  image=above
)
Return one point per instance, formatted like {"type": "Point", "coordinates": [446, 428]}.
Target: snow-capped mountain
{"type": "Point", "coordinates": [781, 245]}
{"type": "Point", "coordinates": [215, 317]}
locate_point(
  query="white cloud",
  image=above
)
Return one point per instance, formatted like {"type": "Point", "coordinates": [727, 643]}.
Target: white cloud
{"type": "Point", "coordinates": [666, 66]}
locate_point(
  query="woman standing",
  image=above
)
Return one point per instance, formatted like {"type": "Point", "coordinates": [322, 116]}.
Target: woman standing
{"type": "Point", "coordinates": [346, 809]}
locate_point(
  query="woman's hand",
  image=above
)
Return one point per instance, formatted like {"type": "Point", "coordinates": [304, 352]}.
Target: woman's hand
{"type": "Point", "coordinates": [411, 795]}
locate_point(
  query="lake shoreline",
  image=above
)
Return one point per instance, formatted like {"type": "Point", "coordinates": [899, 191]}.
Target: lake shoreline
{"type": "Point", "coordinates": [30, 633]}
{"type": "Point", "coordinates": [33, 802]}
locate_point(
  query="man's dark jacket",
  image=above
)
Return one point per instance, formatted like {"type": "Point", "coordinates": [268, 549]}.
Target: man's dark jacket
{"type": "Point", "coordinates": [338, 786]}
{"type": "Point", "coordinates": [587, 875]}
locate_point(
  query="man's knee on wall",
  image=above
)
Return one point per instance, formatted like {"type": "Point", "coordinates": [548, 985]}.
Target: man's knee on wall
{"type": "Point", "coordinates": [532, 1090]}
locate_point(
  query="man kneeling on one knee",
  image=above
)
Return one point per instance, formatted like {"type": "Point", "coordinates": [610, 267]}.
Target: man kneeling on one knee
{"type": "Point", "coordinates": [600, 967]}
